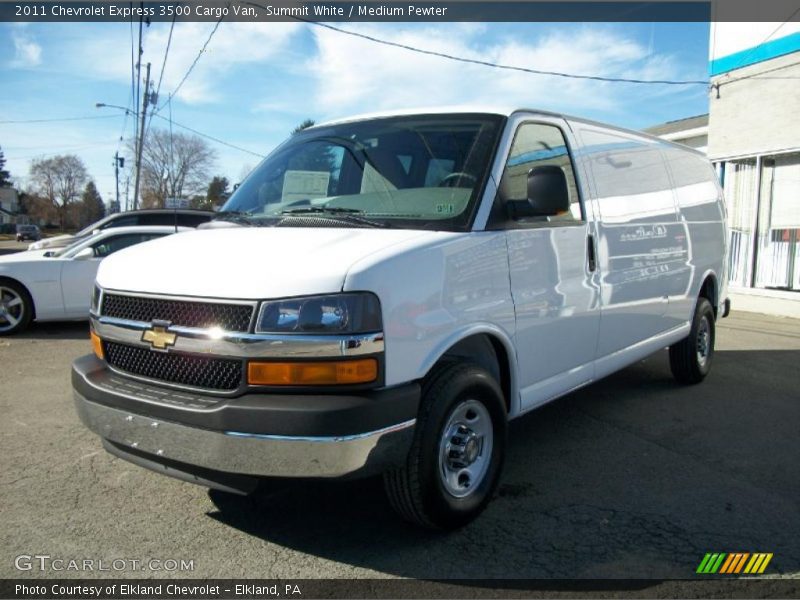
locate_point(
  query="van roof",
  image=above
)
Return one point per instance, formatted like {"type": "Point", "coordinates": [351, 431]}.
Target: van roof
{"type": "Point", "coordinates": [426, 110]}
{"type": "Point", "coordinates": [505, 111]}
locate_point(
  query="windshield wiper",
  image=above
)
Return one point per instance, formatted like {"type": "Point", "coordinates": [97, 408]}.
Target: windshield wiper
{"type": "Point", "coordinates": [322, 209]}
{"type": "Point", "coordinates": [235, 216]}
{"type": "Point", "coordinates": [350, 215]}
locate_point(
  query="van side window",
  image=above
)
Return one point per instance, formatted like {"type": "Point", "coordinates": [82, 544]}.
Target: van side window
{"type": "Point", "coordinates": [536, 145]}
{"type": "Point", "coordinates": [629, 176]}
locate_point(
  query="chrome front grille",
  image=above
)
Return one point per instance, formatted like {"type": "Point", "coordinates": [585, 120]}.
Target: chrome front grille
{"type": "Point", "coordinates": [185, 313]}
{"type": "Point", "coordinates": [182, 369]}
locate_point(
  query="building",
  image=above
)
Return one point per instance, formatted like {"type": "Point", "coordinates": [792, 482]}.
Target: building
{"type": "Point", "coordinates": [754, 140]}
{"type": "Point", "coordinates": [9, 206]}
{"type": "Point", "coordinates": [692, 132]}
{"type": "Point", "coordinates": [752, 135]}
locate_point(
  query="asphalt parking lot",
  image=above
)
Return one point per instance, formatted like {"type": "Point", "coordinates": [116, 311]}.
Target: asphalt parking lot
{"type": "Point", "coordinates": [632, 477]}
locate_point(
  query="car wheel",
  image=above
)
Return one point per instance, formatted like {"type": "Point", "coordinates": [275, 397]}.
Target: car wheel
{"type": "Point", "coordinates": [457, 455]}
{"type": "Point", "coordinates": [690, 359]}
{"type": "Point", "coordinates": [16, 307]}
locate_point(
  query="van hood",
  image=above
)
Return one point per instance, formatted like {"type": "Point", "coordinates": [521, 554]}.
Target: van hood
{"type": "Point", "coordinates": [247, 262]}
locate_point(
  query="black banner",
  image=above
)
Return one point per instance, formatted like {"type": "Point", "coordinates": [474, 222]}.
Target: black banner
{"type": "Point", "coordinates": [399, 11]}
{"type": "Point", "coordinates": [141, 589]}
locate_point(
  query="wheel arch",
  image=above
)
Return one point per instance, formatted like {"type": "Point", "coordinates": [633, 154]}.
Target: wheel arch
{"type": "Point", "coordinates": [709, 289]}
{"type": "Point", "coordinates": [488, 347]}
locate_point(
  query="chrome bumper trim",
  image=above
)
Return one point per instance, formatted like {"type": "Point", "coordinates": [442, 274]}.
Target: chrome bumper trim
{"type": "Point", "coordinates": [243, 345]}
{"type": "Point", "coordinates": [250, 454]}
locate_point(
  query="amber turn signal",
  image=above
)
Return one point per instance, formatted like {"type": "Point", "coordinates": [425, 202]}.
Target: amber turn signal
{"type": "Point", "coordinates": [97, 345]}
{"type": "Point", "coordinates": [340, 372]}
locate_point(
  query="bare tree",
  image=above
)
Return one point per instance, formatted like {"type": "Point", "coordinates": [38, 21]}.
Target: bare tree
{"type": "Point", "coordinates": [174, 166]}
{"type": "Point", "coordinates": [59, 179]}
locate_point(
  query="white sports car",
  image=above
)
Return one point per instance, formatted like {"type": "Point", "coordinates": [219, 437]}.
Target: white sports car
{"type": "Point", "coordinates": [57, 285]}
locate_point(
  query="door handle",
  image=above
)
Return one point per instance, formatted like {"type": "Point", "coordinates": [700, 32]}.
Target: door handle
{"type": "Point", "coordinates": [590, 251]}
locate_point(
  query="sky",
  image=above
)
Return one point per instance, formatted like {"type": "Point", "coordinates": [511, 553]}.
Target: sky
{"type": "Point", "coordinates": [257, 81]}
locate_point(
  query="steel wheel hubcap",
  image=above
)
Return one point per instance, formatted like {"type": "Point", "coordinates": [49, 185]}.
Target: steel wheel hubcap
{"type": "Point", "coordinates": [11, 308]}
{"type": "Point", "coordinates": [465, 448]}
{"type": "Point", "coordinates": [703, 341]}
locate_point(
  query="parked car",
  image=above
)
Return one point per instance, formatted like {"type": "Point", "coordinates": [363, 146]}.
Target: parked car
{"type": "Point", "coordinates": [28, 232]}
{"type": "Point", "coordinates": [154, 216]}
{"type": "Point", "coordinates": [392, 290]}
{"type": "Point", "coordinates": [48, 285]}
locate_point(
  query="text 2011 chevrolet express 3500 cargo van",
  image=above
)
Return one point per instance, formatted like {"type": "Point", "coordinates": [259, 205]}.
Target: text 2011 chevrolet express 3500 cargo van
{"type": "Point", "coordinates": [389, 291]}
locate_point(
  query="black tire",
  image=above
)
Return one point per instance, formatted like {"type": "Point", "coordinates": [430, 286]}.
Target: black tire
{"type": "Point", "coordinates": [417, 491]}
{"type": "Point", "coordinates": [16, 307]}
{"type": "Point", "coordinates": [690, 359]}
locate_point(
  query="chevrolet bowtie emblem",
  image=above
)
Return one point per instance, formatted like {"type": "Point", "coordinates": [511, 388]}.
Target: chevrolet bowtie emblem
{"type": "Point", "coordinates": [159, 337]}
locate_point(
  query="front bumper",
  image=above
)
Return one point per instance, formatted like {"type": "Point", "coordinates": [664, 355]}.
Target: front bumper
{"type": "Point", "coordinates": [210, 440]}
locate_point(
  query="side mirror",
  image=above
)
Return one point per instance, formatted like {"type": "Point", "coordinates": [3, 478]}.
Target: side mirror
{"type": "Point", "coordinates": [84, 254]}
{"type": "Point", "coordinates": [548, 195]}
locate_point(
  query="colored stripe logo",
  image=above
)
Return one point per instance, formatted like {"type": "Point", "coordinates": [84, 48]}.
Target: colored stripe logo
{"type": "Point", "coordinates": [734, 563]}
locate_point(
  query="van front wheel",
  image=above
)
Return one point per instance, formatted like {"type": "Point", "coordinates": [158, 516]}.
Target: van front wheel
{"type": "Point", "coordinates": [454, 463]}
{"type": "Point", "coordinates": [690, 359]}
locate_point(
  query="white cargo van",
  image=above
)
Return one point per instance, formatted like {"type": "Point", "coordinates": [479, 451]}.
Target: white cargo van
{"type": "Point", "coordinates": [382, 294]}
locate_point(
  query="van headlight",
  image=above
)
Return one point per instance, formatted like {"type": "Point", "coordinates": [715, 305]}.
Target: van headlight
{"type": "Point", "coordinates": [95, 305]}
{"type": "Point", "coordinates": [330, 314]}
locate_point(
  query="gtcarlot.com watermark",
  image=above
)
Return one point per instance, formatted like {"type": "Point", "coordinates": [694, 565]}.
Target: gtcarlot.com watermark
{"type": "Point", "coordinates": [44, 563]}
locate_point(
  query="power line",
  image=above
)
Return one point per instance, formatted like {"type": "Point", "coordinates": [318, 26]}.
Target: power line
{"type": "Point", "coordinates": [484, 62]}
{"type": "Point", "coordinates": [210, 137]}
{"type": "Point", "coordinates": [193, 65]}
{"type": "Point", "coordinates": [60, 119]}
{"type": "Point", "coordinates": [133, 69]}
{"type": "Point", "coordinates": [166, 54]}
{"type": "Point", "coordinates": [163, 66]}
{"type": "Point", "coordinates": [124, 124]}
{"type": "Point", "coordinates": [61, 150]}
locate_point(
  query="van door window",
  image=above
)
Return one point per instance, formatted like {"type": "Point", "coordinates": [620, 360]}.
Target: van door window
{"type": "Point", "coordinates": [536, 145]}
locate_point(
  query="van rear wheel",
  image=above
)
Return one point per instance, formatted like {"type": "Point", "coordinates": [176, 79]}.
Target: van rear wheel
{"type": "Point", "coordinates": [690, 359]}
{"type": "Point", "coordinates": [454, 463]}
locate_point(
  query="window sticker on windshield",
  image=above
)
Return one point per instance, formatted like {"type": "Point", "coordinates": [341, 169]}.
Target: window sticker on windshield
{"type": "Point", "coordinates": [445, 209]}
{"type": "Point", "coordinates": [304, 185]}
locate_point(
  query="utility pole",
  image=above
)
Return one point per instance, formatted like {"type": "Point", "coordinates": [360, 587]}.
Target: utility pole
{"type": "Point", "coordinates": [140, 145]}
{"type": "Point", "coordinates": [118, 162]}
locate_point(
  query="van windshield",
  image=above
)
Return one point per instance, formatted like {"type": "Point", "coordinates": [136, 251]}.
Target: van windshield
{"type": "Point", "coordinates": [417, 172]}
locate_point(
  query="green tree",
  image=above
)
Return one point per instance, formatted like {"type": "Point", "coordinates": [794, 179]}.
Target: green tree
{"type": "Point", "coordinates": [304, 125]}
{"type": "Point", "coordinates": [217, 191]}
{"type": "Point", "coordinates": [59, 180]}
{"type": "Point", "coordinates": [92, 207]}
{"type": "Point", "coordinates": [199, 202]}
{"type": "Point", "coordinates": [5, 176]}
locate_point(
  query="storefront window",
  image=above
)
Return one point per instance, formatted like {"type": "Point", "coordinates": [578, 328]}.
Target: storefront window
{"type": "Point", "coordinates": [741, 197]}
{"type": "Point", "coordinates": [777, 252]}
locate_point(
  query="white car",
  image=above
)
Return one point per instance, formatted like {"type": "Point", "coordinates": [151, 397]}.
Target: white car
{"type": "Point", "coordinates": [144, 218]}
{"type": "Point", "coordinates": [46, 285]}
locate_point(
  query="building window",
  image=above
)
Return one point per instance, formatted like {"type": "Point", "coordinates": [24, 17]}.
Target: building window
{"type": "Point", "coordinates": [764, 221]}
{"type": "Point", "coordinates": [741, 179]}
{"type": "Point", "coordinates": [778, 249]}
